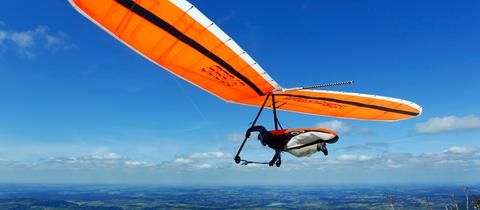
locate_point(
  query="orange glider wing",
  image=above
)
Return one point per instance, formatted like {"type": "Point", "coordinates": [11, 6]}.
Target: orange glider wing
{"type": "Point", "coordinates": [179, 38]}
{"type": "Point", "coordinates": [341, 105]}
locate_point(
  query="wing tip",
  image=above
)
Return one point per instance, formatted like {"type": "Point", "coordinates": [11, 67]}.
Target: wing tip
{"type": "Point", "coordinates": [415, 106]}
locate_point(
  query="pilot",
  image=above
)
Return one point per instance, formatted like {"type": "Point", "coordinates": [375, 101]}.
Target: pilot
{"type": "Point", "coordinates": [300, 142]}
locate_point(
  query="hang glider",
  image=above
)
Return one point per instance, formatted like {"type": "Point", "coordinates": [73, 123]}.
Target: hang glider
{"type": "Point", "coordinates": [178, 37]}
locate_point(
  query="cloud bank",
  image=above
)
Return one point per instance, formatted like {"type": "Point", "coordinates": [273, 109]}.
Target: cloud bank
{"type": "Point", "coordinates": [448, 124]}
{"type": "Point", "coordinates": [102, 160]}
{"type": "Point", "coordinates": [458, 163]}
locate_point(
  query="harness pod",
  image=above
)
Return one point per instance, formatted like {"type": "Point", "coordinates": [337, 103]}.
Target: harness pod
{"type": "Point", "coordinates": [304, 141]}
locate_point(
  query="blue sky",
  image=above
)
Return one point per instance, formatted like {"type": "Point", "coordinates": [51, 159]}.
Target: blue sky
{"type": "Point", "coordinates": [78, 106]}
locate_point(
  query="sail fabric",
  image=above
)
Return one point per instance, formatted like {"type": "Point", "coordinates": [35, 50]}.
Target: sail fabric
{"type": "Point", "coordinates": [341, 105]}
{"type": "Point", "coordinates": [179, 38]}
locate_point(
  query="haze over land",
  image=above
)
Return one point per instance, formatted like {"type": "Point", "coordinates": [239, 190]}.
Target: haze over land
{"type": "Point", "coordinates": [266, 197]}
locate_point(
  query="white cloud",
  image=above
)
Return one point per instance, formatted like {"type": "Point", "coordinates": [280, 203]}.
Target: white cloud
{"type": "Point", "coordinates": [235, 137]}
{"type": "Point", "coordinates": [31, 42]}
{"type": "Point", "coordinates": [457, 156]}
{"type": "Point", "coordinates": [365, 157]}
{"type": "Point", "coordinates": [3, 36]}
{"type": "Point", "coordinates": [68, 160]}
{"type": "Point", "coordinates": [448, 124]}
{"type": "Point", "coordinates": [22, 39]}
{"type": "Point", "coordinates": [97, 160]}
{"type": "Point", "coordinates": [453, 157]}
{"type": "Point", "coordinates": [462, 150]}
{"type": "Point", "coordinates": [336, 125]}
{"type": "Point", "coordinates": [183, 161]}
{"type": "Point", "coordinates": [394, 165]}
{"type": "Point", "coordinates": [136, 163]}
{"type": "Point", "coordinates": [207, 155]}
{"type": "Point", "coordinates": [348, 157]}
{"type": "Point", "coordinates": [6, 161]}
{"type": "Point", "coordinates": [108, 156]}
{"type": "Point", "coordinates": [200, 160]}
{"type": "Point", "coordinates": [203, 166]}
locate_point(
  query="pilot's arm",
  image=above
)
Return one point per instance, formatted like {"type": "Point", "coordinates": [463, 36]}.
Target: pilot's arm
{"type": "Point", "coordinates": [257, 128]}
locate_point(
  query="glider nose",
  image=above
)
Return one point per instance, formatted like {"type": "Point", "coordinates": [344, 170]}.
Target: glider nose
{"type": "Point", "coordinates": [333, 140]}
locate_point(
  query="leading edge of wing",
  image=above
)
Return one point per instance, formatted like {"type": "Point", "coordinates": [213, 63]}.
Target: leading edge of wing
{"type": "Point", "coordinates": [198, 16]}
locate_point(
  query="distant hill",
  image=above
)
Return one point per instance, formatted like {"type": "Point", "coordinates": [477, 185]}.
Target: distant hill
{"type": "Point", "coordinates": [29, 203]}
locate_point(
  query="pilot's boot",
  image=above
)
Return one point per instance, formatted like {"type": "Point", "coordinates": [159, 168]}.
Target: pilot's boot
{"type": "Point", "coordinates": [272, 162]}
{"type": "Point", "coordinates": [322, 147]}
{"type": "Point", "coordinates": [275, 158]}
